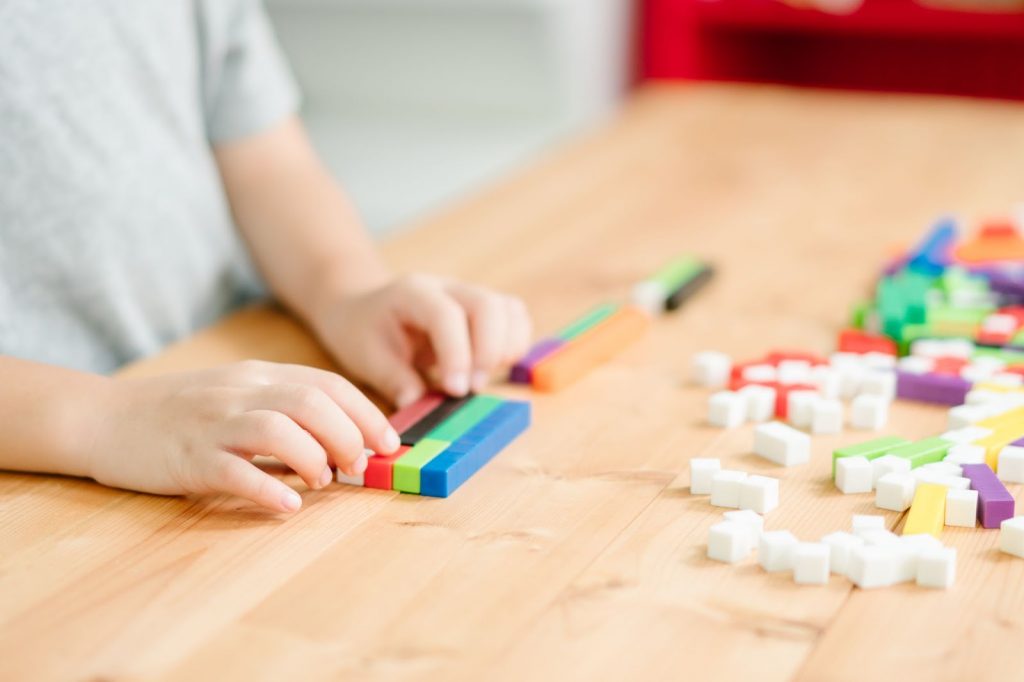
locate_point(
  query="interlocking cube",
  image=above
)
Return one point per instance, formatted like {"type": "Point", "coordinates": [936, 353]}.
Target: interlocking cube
{"type": "Point", "coordinates": [782, 444]}
{"type": "Point", "coordinates": [841, 544]}
{"type": "Point", "coordinates": [727, 409]}
{"type": "Point", "coordinates": [752, 521]}
{"type": "Point", "coordinates": [729, 541]}
{"type": "Point", "coordinates": [1011, 536]}
{"type": "Point", "coordinates": [961, 508]}
{"type": "Point", "coordinates": [1011, 464]}
{"type": "Point", "coordinates": [937, 568]}
{"type": "Point", "coordinates": [853, 475]}
{"type": "Point", "coordinates": [906, 552]}
{"type": "Point", "coordinates": [800, 407]}
{"type": "Point", "coordinates": [711, 369]}
{"type": "Point", "coordinates": [851, 377]}
{"type": "Point", "coordinates": [702, 471]}
{"type": "Point", "coordinates": [888, 464]}
{"type": "Point", "coordinates": [866, 522]}
{"type": "Point", "coordinates": [869, 412]}
{"type": "Point", "coordinates": [895, 492]}
{"type": "Point", "coordinates": [775, 552]}
{"type": "Point", "coordinates": [810, 563]}
{"type": "Point", "coordinates": [794, 372]}
{"type": "Point", "coordinates": [760, 402]}
{"type": "Point", "coordinates": [880, 383]}
{"type": "Point", "coordinates": [965, 453]}
{"type": "Point", "coordinates": [826, 417]}
{"type": "Point", "coordinates": [827, 380]}
{"type": "Point", "coordinates": [872, 566]}
{"type": "Point", "coordinates": [759, 494]}
{"type": "Point", "coordinates": [725, 488]}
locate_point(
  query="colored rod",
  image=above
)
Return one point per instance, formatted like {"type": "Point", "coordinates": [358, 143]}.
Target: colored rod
{"type": "Point", "coordinates": [689, 288]}
{"type": "Point", "coordinates": [923, 452]}
{"type": "Point", "coordinates": [410, 414]}
{"type": "Point", "coordinates": [995, 503]}
{"type": "Point", "coordinates": [872, 449]}
{"type": "Point", "coordinates": [927, 511]}
{"type": "Point", "coordinates": [522, 371]}
{"type": "Point", "coordinates": [418, 431]}
{"type": "Point", "coordinates": [379, 469]}
{"type": "Point", "coordinates": [591, 319]}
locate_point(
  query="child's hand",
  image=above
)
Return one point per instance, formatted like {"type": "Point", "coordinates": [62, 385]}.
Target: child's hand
{"type": "Point", "coordinates": [423, 325]}
{"type": "Point", "coordinates": [198, 432]}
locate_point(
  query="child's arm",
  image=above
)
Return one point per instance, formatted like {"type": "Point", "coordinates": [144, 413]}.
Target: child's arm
{"type": "Point", "coordinates": [318, 260]}
{"type": "Point", "coordinates": [194, 432]}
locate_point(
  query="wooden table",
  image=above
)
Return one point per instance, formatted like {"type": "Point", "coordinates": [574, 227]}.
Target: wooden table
{"type": "Point", "coordinates": [578, 553]}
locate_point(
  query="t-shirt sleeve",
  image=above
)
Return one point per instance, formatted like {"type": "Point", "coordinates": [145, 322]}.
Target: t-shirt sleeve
{"type": "Point", "coordinates": [247, 84]}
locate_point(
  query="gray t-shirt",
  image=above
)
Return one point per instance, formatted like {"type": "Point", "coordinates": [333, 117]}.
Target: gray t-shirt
{"type": "Point", "coordinates": [115, 233]}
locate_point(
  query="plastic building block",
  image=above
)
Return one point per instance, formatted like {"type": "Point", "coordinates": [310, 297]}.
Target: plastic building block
{"type": "Point", "coordinates": [775, 551]}
{"type": "Point", "coordinates": [872, 449]}
{"type": "Point", "coordinates": [591, 348]}
{"type": "Point", "coordinates": [589, 320]}
{"type": "Point", "coordinates": [888, 464]}
{"type": "Point", "coordinates": [404, 418]}
{"type": "Point", "coordinates": [932, 388]}
{"type": "Point", "coordinates": [923, 451]}
{"type": "Point", "coordinates": [379, 470]}
{"type": "Point", "coordinates": [1011, 536]}
{"type": "Point", "coordinates": [649, 296]}
{"type": "Point", "coordinates": [856, 341]}
{"type": "Point", "coordinates": [419, 430]}
{"type": "Point", "coordinates": [878, 536]}
{"type": "Point", "coordinates": [753, 522]}
{"type": "Point", "coordinates": [872, 566]}
{"type": "Point", "coordinates": [865, 522]}
{"type": "Point", "coordinates": [927, 511]}
{"type": "Point", "coordinates": [725, 488]}
{"type": "Point", "coordinates": [869, 412]}
{"type": "Point", "coordinates": [967, 434]}
{"type": "Point", "coordinates": [702, 470]}
{"type": "Point", "coordinates": [405, 475]}
{"type": "Point", "coordinates": [937, 568]}
{"type": "Point", "coordinates": [357, 480]}
{"type": "Point", "coordinates": [727, 409]}
{"type": "Point", "coordinates": [826, 417]}
{"type": "Point", "coordinates": [465, 418]}
{"type": "Point", "coordinates": [1011, 464]}
{"type": "Point", "coordinates": [944, 467]}
{"type": "Point", "coordinates": [853, 475]}
{"type": "Point", "coordinates": [687, 289]}
{"type": "Point", "coordinates": [711, 369]}
{"type": "Point", "coordinates": [827, 381]}
{"type": "Point", "coordinates": [794, 372]}
{"type": "Point", "coordinates": [915, 364]}
{"type": "Point", "coordinates": [522, 371]}
{"type": "Point", "coordinates": [782, 444]}
{"type": "Point", "coordinates": [674, 283]}
{"type": "Point", "coordinates": [908, 551]}
{"type": "Point", "coordinates": [800, 407]}
{"type": "Point", "coordinates": [965, 453]}
{"type": "Point", "coordinates": [962, 508]}
{"type": "Point", "coordinates": [895, 492]}
{"type": "Point", "coordinates": [760, 402]}
{"type": "Point", "coordinates": [811, 563]}
{"type": "Point", "coordinates": [841, 545]}
{"type": "Point", "coordinates": [782, 398]}
{"type": "Point", "coordinates": [879, 382]}
{"type": "Point", "coordinates": [729, 541]}
{"type": "Point", "coordinates": [763, 373]}
{"type": "Point", "coordinates": [447, 471]}
{"type": "Point", "coordinates": [995, 503]}
{"type": "Point", "coordinates": [759, 494]}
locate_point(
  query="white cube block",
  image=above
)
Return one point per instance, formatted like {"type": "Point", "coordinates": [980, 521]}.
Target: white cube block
{"type": "Point", "coordinates": [976, 374]}
{"type": "Point", "coordinates": [794, 372]}
{"type": "Point", "coordinates": [869, 412]}
{"type": "Point", "coordinates": [762, 372]}
{"type": "Point", "coordinates": [711, 368]}
{"type": "Point", "coordinates": [1000, 323]}
{"type": "Point", "coordinates": [1008, 379]}
{"type": "Point", "coordinates": [966, 435]}
{"type": "Point", "coordinates": [853, 475]}
{"type": "Point", "coordinates": [800, 407]}
{"type": "Point", "coordinates": [851, 377]}
{"type": "Point", "coordinates": [880, 383]}
{"type": "Point", "coordinates": [957, 348]}
{"type": "Point", "coordinates": [727, 409]}
{"type": "Point", "coordinates": [841, 545]}
{"type": "Point", "coordinates": [729, 541]}
{"type": "Point", "coordinates": [702, 470]}
{"type": "Point", "coordinates": [358, 479]}
{"type": "Point", "coordinates": [878, 537]}
{"type": "Point", "coordinates": [865, 522]}
{"type": "Point", "coordinates": [782, 444]}
{"type": "Point", "coordinates": [1011, 536]}
{"type": "Point", "coordinates": [928, 348]}
{"type": "Point", "coordinates": [873, 360]}
{"type": "Point", "coordinates": [826, 417]}
{"type": "Point", "coordinates": [650, 296]}
{"type": "Point", "coordinates": [938, 478]}
{"type": "Point", "coordinates": [981, 396]}
{"type": "Point", "coordinates": [961, 508]}
{"type": "Point", "coordinates": [872, 566]}
{"type": "Point", "coordinates": [964, 415]}
{"type": "Point", "coordinates": [1011, 464]}
{"type": "Point", "coordinates": [943, 467]}
{"type": "Point", "coordinates": [914, 364]}
{"type": "Point", "coordinates": [725, 488]}
{"type": "Point", "coordinates": [752, 521]}
{"type": "Point", "coordinates": [811, 563]}
{"type": "Point", "coordinates": [895, 491]}
{"type": "Point", "coordinates": [775, 552]}
{"type": "Point", "coordinates": [966, 453]}
{"type": "Point", "coordinates": [888, 464]}
{"type": "Point", "coordinates": [937, 568]}
{"type": "Point", "coordinates": [759, 494]}
{"type": "Point", "coordinates": [841, 359]}
{"type": "Point", "coordinates": [760, 402]}
{"type": "Point", "coordinates": [827, 380]}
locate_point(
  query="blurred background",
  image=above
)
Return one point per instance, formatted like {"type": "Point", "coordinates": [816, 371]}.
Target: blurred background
{"type": "Point", "coordinates": [414, 103]}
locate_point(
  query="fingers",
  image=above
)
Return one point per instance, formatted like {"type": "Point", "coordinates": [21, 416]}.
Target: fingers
{"type": "Point", "coordinates": [488, 326]}
{"type": "Point", "coordinates": [228, 473]}
{"type": "Point", "coordinates": [269, 432]}
{"type": "Point", "coordinates": [520, 330]}
{"type": "Point", "coordinates": [388, 367]}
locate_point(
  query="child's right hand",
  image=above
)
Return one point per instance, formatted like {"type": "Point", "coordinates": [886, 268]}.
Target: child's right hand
{"type": "Point", "coordinates": [197, 432]}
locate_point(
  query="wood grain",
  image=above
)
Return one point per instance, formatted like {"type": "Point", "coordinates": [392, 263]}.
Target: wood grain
{"type": "Point", "coordinates": [578, 553]}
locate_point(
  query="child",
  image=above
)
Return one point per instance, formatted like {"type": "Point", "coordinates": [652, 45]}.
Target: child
{"type": "Point", "coordinates": [148, 149]}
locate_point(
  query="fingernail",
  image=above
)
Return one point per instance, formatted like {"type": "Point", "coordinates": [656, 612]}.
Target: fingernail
{"type": "Point", "coordinates": [325, 477]}
{"type": "Point", "coordinates": [391, 441]}
{"type": "Point", "coordinates": [291, 501]}
{"type": "Point", "coordinates": [457, 384]}
{"type": "Point", "coordinates": [480, 379]}
{"type": "Point", "coordinates": [359, 466]}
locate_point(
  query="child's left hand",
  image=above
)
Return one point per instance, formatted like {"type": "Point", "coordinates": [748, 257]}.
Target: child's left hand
{"type": "Point", "coordinates": [421, 325]}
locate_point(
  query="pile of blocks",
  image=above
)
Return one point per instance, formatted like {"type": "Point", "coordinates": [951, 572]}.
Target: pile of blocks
{"type": "Point", "coordinates": [946, 371]}
{"type": "Point", "coordinates": [591, 340]}
{"type": "Point", "coordinates": [733, 488]}
{"type": "Point", "coordinates": [444, 442]}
